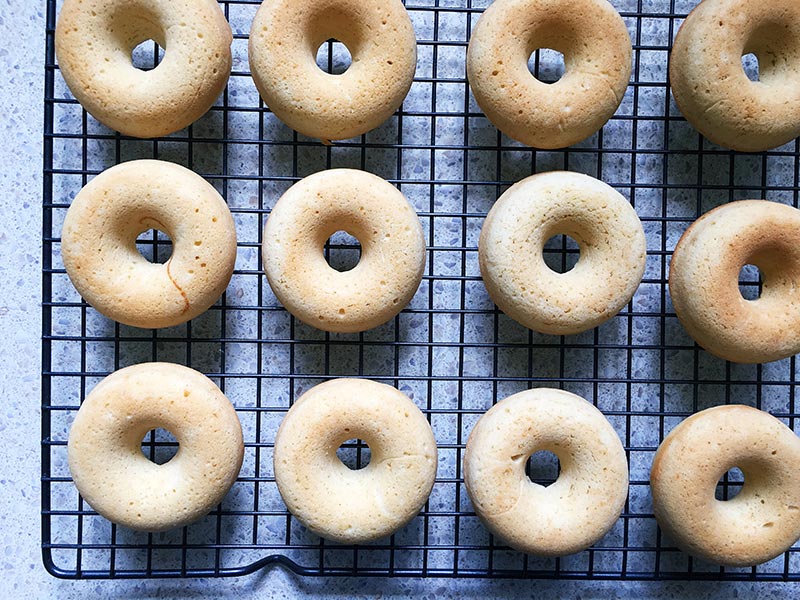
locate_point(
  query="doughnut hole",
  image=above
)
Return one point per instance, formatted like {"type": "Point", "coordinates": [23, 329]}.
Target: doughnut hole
{"type": "Point", "coordinates": [561, 253]}
{"type": "Point", "coordinates": [155, 246]}
{"type": "Point", "coordinates": [159, 446]}
{"type": "Point", "coordinates": [770, 273]}
{"type": "Point", "coordinates": [334, 57]}
{"type": "Point", "coordinates": [342, 251]}
{"type": "Point", "coordinates": [139, 35]}
{"type": "Point", "coordinates": [750, 66]}
{"type": "Point", "coordinates": [552, 47]}
{"type": "Point", "coordinates": [354, 454]}
{"type": "Point", "coordinates": [543, 467]}
{"type": "Point", "coordinates": [771, 54]}
{"type": "Point", "coordinates": [730, 484]}
{"type": "Point", "coordinates": [147, 55]}
{"type": "Point", "coordinates": [750, 282]}
{"type": "Point", "coordinates": [547, 65]}
{"type": "Point", "coordinates": [338, 35]}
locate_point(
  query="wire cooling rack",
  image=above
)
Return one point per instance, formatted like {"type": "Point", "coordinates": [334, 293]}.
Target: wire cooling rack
{"type": "Point", "coordinates": [450, 350]}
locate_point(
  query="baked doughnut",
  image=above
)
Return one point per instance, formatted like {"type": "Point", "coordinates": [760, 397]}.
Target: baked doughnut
{"type": "Point", "coordinates": [114, 476]}
{"type": "Point", "coordinates": [580, 507]}
{"type": "Point", "coordinates": [760, 522]}
{"type": "Point", "coordinates": [392, 250]}
{"type": "Point", "coordinates": [709, 83]}
{"type": "Point", "coordinates": [98, 244]}
{"type": "Point", "coordinates": [599, 219]}
{"type": "Point", "coordinates": [597, 57]}
{"type": "Point", "coordinates": [354, 506]}
{"type": "Point", "coordinates": [284, 40]}
{"type": "Point", "coordinates": [704, 277]}
{"type": "Point", "coordinates": [94, 43]}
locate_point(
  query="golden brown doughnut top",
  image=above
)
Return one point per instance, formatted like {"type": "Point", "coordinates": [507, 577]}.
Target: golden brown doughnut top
{"type": "Point", "coordinates": [94, 42]}
{"type": "Point", "coordinates": [704, 275]}
{"type": "Point", "coordinates": [709, 83]}
{"type": "Point", "coordinates": [283, 44]}
{"type": "Point", "coordinates": [597, 55]}
{"type": "Point", "coordinates": [759, 523]}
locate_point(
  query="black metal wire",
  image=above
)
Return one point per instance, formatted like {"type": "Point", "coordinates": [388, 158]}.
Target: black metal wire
{"type": "Point", "coordinates": [644, 382]}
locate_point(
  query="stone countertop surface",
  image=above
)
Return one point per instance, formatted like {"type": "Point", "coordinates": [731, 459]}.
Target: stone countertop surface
{"type": "Point", "coordinates": [23, 576]}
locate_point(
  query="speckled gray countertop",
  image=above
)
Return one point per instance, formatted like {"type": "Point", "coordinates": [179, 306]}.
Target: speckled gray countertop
{"type": "Point", "coordinates": [23, 576]}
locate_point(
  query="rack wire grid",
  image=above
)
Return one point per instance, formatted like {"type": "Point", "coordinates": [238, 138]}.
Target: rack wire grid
{"type": "Point", "coordinates": [451, 350]}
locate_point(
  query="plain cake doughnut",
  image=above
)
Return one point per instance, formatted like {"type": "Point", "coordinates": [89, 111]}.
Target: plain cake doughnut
{"type": "Point", "coordinates": [334, 501]}
{"type": "Point", "coordinates": [709, 83]}
{"type": "Point", "coordinates": [704, 278]}
{"type": "Point", "coordinates": [114, 476]}
{"type": "Point", "coordinates": [94, 43]}
{"type": "Point", "coordinates": [597, 56]}
{"type": "Point", "coordinates": [580, 507]}
{"type": "Point", "coordinates": [763, 519]}
{"type": "Point", "coordinates": [599, 219]}
{"type": "Point", "coordinates": [392, 250]}
{"type": "Point", "coordinates": [284, 40]}
{"type": "Point", "coordinates": [98, 244]}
